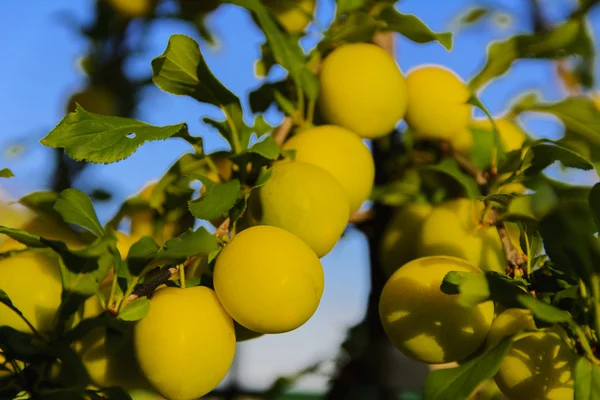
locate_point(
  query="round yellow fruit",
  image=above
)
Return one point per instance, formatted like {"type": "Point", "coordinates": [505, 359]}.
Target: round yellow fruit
{"type": "Point", "coordinates": [538, 366]}
{"type": "Point", "coordinates": [453, 229]}
{"type": "Point", "coordinates": [462, 142]}
{"type": "Point", "coordinates": [400, 239]}
{"type": "Point", "coordinates": [508, 323]}
{"type": "Point", "coordinates": [268, 280]}
{"type": "Point", "coordinates": [362, 89]}
{"type": "Point", "coordinates": [186, 343]}
{"type": "Point", "coordinates": [307, 201]}
{"type": "Point", "coordinates": [144, 394]}
{"type": "Point", "coordinates": [426, 324]}
{"type": "Point", "coordinates": [12, 216]}
{"type": "Point", "coordinates": [293, 15]}
{"type": "Point", "coordinates": [32, 281]}
{"type": "Point", "coordinates": [512, 137]}
{"type": "Point", "coordinates": [132, 8]}
{"type": "Point", "coordinates": [95, 99]}
{"type": "Point", "coordinates": [48, 229]}
{"type": "Point", "coordinates": [341, 153]}
{"type": "Point", "coordinates": [437, 103]}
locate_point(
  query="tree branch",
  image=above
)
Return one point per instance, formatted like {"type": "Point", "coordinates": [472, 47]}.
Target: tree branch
{"type": "Point", "coordinates": [515, 257]}
{"type": "Point", "coordinates": [282, 132]}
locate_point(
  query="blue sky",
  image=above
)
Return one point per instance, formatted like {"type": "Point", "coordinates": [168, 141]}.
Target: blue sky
{"type": "Point", "coordinates": [41, 51]}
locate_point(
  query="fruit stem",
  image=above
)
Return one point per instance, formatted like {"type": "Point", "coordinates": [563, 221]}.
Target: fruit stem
{"type": "Point", "coordinates": [300, 95]}
{"type": "Point", "coordinates": [113, 292]}
{"type": "Point", "coordinates": [237, 146]}
{"type": "Point", "coordinates": [310, 113]}
{"type": "Point", "coordinates": [282, 132]}
{"type": "Point", "coordinates": [182, 275]}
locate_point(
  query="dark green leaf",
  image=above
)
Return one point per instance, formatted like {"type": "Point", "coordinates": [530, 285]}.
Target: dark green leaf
{"type": "Point", "coordinates": [103, 139]}
{"type": "Point", "coordinates": [544, 311]}
{"type": "Point", "coordinates": [261, 99]}
{"type": "Point", "coordinates": [587, 380]}
{"type": "Point", "coordinates": [595, 203]}
{"type": "Point", "coordinates": [500, 198]}
{"type": "Point", "coordinates": [484, 143]}
{"type": "Point", "coordinates": [547, 44]}
{"type": "Point", "coordinates": [181, 70]}
{"type": "Point", "coordinates": [6, 173]}
{"type": "Point", "coordinates": [114, 393]}
{"type": "Point", "coordinates": [478, 288]}
{"type": "Point", "coordinates": [266, 148]}
{"type": "Point", "coordinates": [569, 241]}
{"type": "Point", "coordinates": [17, 345]}
{"type": "Point", "coordinates": [287, 54]}
{"type": "Point", "coordinates": [449, 167]}
{"type": "Point", "coordinates": [532, 207]}
{"type": "Point", "coordinates": [412, 27]}
{"type": "Point", "coordinates": [76, 208]}
{"type": "Point", "coordinates": [189, 244]}
{"type": "Point", "coordinates": [216, 200]}
{"type": "Point", "coordinates": [460, 382]}
{"type": "Point", "coordinates": [61, 394]}
{"type": "Point", "coordinates": [135, 310]}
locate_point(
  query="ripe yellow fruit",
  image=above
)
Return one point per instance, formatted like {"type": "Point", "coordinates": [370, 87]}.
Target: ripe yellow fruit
{"type": "Point", "coordinates": [132, 8]}
{"type": "Point", "coordinates": [426, 324]}
{"type": "Point", "coordinates": [508, 323]}
{"type": "Point", "coordinates": [511, 135]}
{"type": "Point", "coordinates": [204, 341]}
{"type": "Point", "coordinates": [453, 229]}
{"type": "Point", "coordinates": [538, 366]}
{"type": "Point", "coordinates": [437, 103]}
{"type": "Point", "coordinates": [48, 229]}
{"type": "Point", "coordinates": [268, 280]}
{"type": "Point", "coordinates": [341, 153]}
{"type": "Point", "coordinates": [293, 15]}
{"type": "Point", "coordinates": [95, 99]}
{"type": "Point", "coordinates": [462, 142]}
{"type": "Point", "coordinates": [307, 201]}
{"type": "Point", "coordinates": [32, 281]}
{"type": "Point", "coordinates": [401, 236]}
{"type": "Point", "coordinates": [12, 216]}
{"type": "Point", "coordinates": [362, 89]}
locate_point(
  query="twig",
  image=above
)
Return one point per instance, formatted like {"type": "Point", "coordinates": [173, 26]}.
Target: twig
{"type": "Point", "coordinates": [514, 257]}
{"type": "Point", "coordinates": [282, 132]}
{"type": "Point", "coordinates": [469, 168]}
{"type": "Point", "coordinates": [148, 288]}
{"type": "Point", "coordinates": [361, 216]}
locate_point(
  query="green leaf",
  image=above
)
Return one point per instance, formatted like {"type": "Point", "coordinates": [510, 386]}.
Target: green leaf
{"type": "Point", "coordinates": [181, 70]}
{"type": "Point", "coordinates": [135, 310]}
{"type": "Point", "coordinates": [190, 243]}
{"type": "Point", "coordinates": [347, 6]}
{"type": "Point", "coordinates": [545, 154]}
{"type": "Point", "coordinates": [287, 54]}
{"type": "Point", "coordinates": [17, 345]}
{"type": "Point", "coordinates": [356, 27]}
{"type": "Point", "coordinates": [460, 382]}
{"type": "Point", "coordinates": [76, 208]}
{"type": "Point", "coordinates": [412, 27]}
{"type": "Point", "coordinates": [548, 44]}
{"type": "Point", "coordinates": [6, 173]}
{"type": "Point", "coordinates": [96, 138]}
{"type": "Point", "coordinates": [449, 167]}
{"type": "Point", "coordinates": [141, 254]}
{"type": "Point", "coordinates": [578, 113]}
{"type": "Point", "coordinates": [532, 207]}
{"type": "Point", "coordinates": [21, 236]}
{"type": "Point", "coordinates": [266, 148]}
{"type": "Point", "coordinates": [587, 380]}
{"type": "Point", "coordinates": [261, 99]}
{"type": "Point", "coordinates": [478, 288]}
{"type": "Point", "coordinates": [594, 200]}
{"type": "Point", "coordinates": [216, 200]}
{"type": "Point", "coordinates": [502, 199]}
{"type": "Point", "coordinates": [544, 311]}
{"type": "Point", "coordinates": [484, 143]}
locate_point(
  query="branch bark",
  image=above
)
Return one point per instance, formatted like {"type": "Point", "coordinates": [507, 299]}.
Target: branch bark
{"type": "Point", "coordinates": [283, 131]}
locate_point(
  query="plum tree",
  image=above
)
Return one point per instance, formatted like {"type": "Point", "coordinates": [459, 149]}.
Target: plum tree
{"type": "Point", "coordinates": [307, 201]}
{"type": "Point", "coordinates": [341, 153]}
{"type": "Point", "coordinates": [426, 324]}
{"type": "Point", "coordinates": [205, 342]}
{"type": "Point", "coordinates": [268, 280]}
{"type": "Point", "coordinates": [367, 97]}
